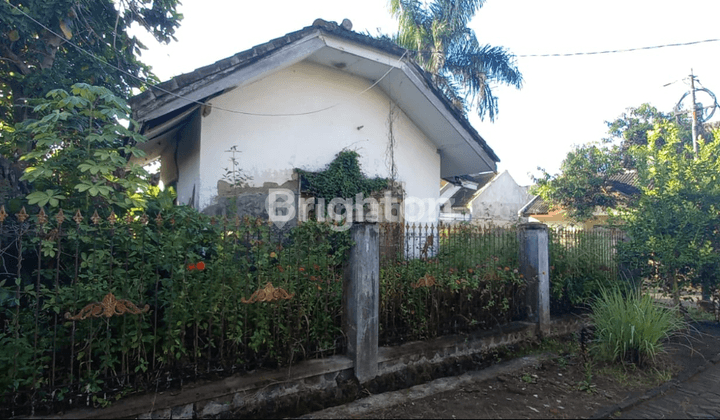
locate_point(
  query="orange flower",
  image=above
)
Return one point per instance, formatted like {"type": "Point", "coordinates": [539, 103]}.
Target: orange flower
{"type": "Point", "coordinates": [316, 267]}
{"type": "Point", "coordinates": [313, 278]}
{"type": "Point", "coordinates": [201, 265]}
{"type": "Point", "coordinates": [301, 269]}
{"type": "Point", "coordinates": [191, 267]}
{"type": "Point", "coordinates": [281, 268]}
{"type": "Point", "coordinates": [273, 255]}
{"type": "Point", "coordinates": [470, 270]}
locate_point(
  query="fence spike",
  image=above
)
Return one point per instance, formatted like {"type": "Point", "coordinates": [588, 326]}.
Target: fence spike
{"type": "Point", "coordinates": [22, 215]}
{"type": "Point", "coordinates": [144, 219]}
{"type": "Point", "coordinates": [78, 218]}
{"type": "Point", "coordinates": [112, 218]}
{"type": "Point", "coordinates": [60, 217]}
{"type": "Point", "coordinates": [128, 218]}
{"type": "Point", "coordinates": [159, 219]}
{"type": "Point", "coordinates": [42, 217]}
{"type": "Point", "coordinates": [237, 221]}
{"type": "Point", "coordinates": [3, 214]}
{"type": "Point", "coordinates": [96, 219]}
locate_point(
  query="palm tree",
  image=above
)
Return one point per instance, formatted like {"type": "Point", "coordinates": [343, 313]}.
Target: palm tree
{"type": "Point", "coordinates": [444, 46]}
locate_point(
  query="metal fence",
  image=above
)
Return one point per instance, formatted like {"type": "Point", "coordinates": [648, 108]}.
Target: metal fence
{"type": "Point", "coordinates": [95, 308]}
{"type": "Point", "coordinates": [581, 262]}
{"type": "Point", "coordinates": [447, 279]}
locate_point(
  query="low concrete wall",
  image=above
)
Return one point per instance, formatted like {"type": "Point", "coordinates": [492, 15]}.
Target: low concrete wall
{"type": "Point", "coordinates": [237, 392]}
{"type": "Point", "coordinates": [442, 349]}
{"type": "Point", "coordinates": [330, 379]}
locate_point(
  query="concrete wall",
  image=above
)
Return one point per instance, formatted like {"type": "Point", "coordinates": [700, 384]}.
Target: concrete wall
{"type": "Point", "coordinates": [498, 202]}
{"type": "Point", "coordinates": [272, 146]}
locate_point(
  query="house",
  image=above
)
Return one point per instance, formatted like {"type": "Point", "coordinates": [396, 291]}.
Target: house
{"type": "Point", "coordinates": [624, 185]}
{"type": "Point", "coordinates": [484, 199]}
{"type": "Point", "coordinates": [296, 102]}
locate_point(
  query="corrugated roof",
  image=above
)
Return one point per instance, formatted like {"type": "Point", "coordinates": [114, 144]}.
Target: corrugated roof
{"type": "Point", "coordinates": [536, 206]}
{"type": "Point", "coordinates": [465, 195]}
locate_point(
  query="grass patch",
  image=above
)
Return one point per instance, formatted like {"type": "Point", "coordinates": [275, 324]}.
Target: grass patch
{"type": "Point", "coordinates": [630, 375]}
{"type": "Point", "coordinates": [630, 326]}
{"type": "Point", "coordinates": [697, 314]}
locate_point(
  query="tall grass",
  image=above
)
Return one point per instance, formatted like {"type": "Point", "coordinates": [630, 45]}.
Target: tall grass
{"type": "Point", "coordinates": [630, 326]}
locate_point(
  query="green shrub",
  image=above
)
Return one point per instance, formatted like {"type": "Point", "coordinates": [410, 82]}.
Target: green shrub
{"type": "Point", "coordinates": [630, 326]}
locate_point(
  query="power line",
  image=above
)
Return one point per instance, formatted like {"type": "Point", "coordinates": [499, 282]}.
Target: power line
{"type": "Point", "coordinates": [679, 44]}
{"type": "Point", "coordinates": [155, 86]}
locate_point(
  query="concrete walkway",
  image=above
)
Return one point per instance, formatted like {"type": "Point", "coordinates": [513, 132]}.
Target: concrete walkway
{"type": "Point", "coordinates": [695, 397]}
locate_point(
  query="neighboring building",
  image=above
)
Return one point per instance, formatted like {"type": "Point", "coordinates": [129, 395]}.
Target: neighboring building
{"type": "Point", "coordinates": [296, 102]}
{"type": "Point", "coordinates": [625, 185]}
{"type": "Point", "coordinates": [484, 199]}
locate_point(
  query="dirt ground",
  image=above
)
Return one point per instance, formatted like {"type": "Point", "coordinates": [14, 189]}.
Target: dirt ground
{"type": "Point", "coordinates": [567, 385]}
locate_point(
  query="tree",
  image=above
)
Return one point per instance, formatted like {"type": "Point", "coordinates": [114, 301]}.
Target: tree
{"type": "Point", "coordinates": [440, 41]}
{"type": "Point", "coordinates": [35, 60]}
{"type": "Point", "coordinates": [631, 129]}
{"type": "Point", "coordinates": [674, 228]}
{"type": "Point", "coordinates": [81, 152]}
{"type": "Point", "coordinates": [584, 182]}
{"type": "Point", "coordinates": [586, 178]}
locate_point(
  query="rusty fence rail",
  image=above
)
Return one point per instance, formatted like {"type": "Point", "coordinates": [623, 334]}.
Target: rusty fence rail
{"type": "Point", "coordinates": [95, 308]}
{"type": "Point", "coordinates": [447, 279]}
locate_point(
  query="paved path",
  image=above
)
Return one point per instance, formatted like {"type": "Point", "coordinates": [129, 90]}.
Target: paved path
{"type": "Point", "coordinates": [696, 398]}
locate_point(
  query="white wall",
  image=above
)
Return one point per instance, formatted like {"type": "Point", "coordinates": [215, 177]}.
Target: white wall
{"type": "Point", "coordinates": [499, 201]}
{"type": "Point", "coordinates": [272, 146]}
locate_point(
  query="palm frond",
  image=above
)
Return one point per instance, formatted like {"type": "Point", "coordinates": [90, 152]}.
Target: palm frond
{"type": "Point", "coordinates": [444, 46]}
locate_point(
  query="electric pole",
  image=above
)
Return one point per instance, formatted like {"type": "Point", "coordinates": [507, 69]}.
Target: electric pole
{"type": "Point", "coordinates": [694, 114]}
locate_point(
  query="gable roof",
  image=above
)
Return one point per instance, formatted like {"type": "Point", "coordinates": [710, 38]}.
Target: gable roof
{"type": "Point", "coordinates": [162, 107]}
{"type": "Point", "coordinates": [463, 196]}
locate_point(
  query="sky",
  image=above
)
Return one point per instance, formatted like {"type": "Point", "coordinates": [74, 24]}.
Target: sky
{"type": "Point", "coordinates": [565, 101]}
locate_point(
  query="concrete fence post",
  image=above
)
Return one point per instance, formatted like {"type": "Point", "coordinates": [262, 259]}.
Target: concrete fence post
{"type": "Point", "coordinates": [535, 267]}
{"type": "Point", "coordinates": [361, 299]}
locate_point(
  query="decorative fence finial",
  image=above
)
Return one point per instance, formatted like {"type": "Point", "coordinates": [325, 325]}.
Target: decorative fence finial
{"type": "Point", "coordinates": [3, 214]}
{"type": "Point", "coordinates": [268, 294]}
{"type": "Point", "coordinates": [22, 216]}
{"type": "Point", "coordinates": [95, 218]}
{"type": "Point", "coordinates": [109, 307]}
{"type": "Point", "coordinates": [78, 218]}
{"type": "Point", "coordinates": [425, 281]}
{"type": "Point", "coordinates": [112, 218]}
{"type": "Point", "coordinates": [42, 217]}
{"type": "Point", "coordinates": [60, 217]}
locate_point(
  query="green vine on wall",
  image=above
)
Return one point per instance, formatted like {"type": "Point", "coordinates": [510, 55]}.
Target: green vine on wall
{"type": "Point", "coordinates": [342, 178]}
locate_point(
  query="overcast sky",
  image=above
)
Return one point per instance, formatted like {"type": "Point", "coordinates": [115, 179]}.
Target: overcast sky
{"type": "Point", "coordinates": [565, 100]}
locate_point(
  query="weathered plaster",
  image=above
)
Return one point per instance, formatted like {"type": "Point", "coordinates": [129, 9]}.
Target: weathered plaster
{"type": "Point", "coordinates": [271, 147]}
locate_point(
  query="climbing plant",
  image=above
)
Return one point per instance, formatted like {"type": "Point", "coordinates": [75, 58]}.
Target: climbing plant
{"type": "Point", "coordinates": [342, 178]}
